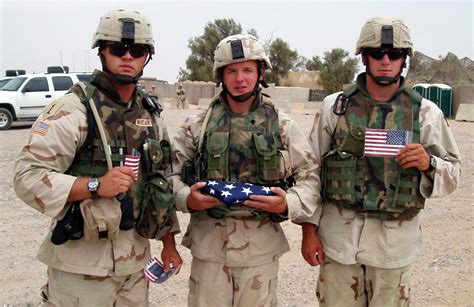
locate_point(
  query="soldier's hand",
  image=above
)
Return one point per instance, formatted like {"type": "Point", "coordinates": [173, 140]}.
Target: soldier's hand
{"type": "Point", "coordinates": [311, 246]}
{"type": "Point", "coordinates": [198, 201]}
{"type": "Point", "coordinates": [115, 181]}
{"type": "Point", "coordinates": [169, 255]}
{"type": "Point", "coordinates": [414, 155]}
{"type": "Point", "coordinates": [270, 203]}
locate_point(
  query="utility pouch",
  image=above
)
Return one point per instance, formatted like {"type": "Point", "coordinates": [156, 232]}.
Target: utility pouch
{"type": "Point", "coordinates": [70, 227]}
{"type": "Point", "coordinates": [217, 155]}
{"type": "Point", "coordinates": [155, 200]}
{"type": "Point", "coordinates": [101, 218]}
{"type": "Point", "coordinates": [157, 155]}
{"type": "Point", "coordinates": [354, 140]}
{"type": "Point", "coordinates": [188, 173]}
{"type": "Point", "coordinates": [267, 158]}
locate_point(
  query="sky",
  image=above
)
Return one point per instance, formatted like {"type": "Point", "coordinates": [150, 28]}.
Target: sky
{"type": "Point", "coordinates": [37, 34]}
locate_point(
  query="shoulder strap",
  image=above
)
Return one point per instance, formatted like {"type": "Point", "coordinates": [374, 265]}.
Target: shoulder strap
{"type": "Point", "coordinates": [89, 92]}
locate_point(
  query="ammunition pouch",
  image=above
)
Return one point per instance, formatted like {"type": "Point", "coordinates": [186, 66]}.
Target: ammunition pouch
{"type": "Point", "coordinates": [155, 200]}
{"type": "Point", "coordinates": [266, 153]}
{"type": "Point", "coordinates": [217, 155]}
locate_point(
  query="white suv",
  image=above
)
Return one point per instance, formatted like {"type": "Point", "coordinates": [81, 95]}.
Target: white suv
{"type": "Point", "coordinates": [25, 96]}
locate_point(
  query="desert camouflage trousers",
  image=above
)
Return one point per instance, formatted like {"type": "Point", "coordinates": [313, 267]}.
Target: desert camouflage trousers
{"type": "Point", "coordinates": [181, 103]}
{"type": "Point", "coordinates": [213, 284]}
{"type": "Point", "coordinates": [361, 285]}
{"type": "Point", "coordinates": [70, 290]}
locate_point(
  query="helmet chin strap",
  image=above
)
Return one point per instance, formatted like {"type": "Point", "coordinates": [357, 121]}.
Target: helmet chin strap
{"type": "Point", "coordinates": [383, 80]}
{"type": "Point", "coordinates": [243, 97]}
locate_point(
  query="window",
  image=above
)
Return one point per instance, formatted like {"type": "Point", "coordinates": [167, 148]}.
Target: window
{"type": "Point", "coordinates": [62, 83]}
{"type": "Point", "coordinates": [14, 84]}
{"type": "Point", "coordinates": [84, 77]}
{"type": "Point", "coordinates": [39, 84]}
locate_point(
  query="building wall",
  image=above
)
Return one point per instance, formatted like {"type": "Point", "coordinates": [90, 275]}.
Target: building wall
{"type": "Point", "coordinates": [309, 79]}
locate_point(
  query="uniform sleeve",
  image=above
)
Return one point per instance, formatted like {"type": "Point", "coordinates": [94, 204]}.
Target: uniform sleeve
{"type": "Point", "coordinates": [304, 197]}
{"type": "Point", "coordinates": [438, 140]}
{"type": "Point", "coordinates": [320, 136]}
{"type": "Point", "coordinates": [56, 135]}
{"type": "Point", "coordinates": [185, 142]}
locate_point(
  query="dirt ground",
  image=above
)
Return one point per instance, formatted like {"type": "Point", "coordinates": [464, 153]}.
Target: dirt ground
{"type": "Point", "coordinates": [443, 277]}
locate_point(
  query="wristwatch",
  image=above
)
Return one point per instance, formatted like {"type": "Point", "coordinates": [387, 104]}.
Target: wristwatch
{"type": "Point", "coordinates": [93, 186]}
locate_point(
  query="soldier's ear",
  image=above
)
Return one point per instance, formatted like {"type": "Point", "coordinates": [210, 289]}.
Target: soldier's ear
{"type": "Point", "coordinates": [364, 59]}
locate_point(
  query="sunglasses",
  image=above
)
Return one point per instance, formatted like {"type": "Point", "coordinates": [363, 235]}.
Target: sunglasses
{"type": "Point", "coordinates": [378, 54]}
{"type": "Point", "coordinates": [120, 49]}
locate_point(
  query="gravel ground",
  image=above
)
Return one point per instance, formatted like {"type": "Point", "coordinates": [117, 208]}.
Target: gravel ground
{"type": "Point", "coordinates": [443, 277]}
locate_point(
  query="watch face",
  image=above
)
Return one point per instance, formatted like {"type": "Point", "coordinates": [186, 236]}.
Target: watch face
{"type": "Point", "coordinates": [433, 162]}
{"type": "Point", "coordinates": [93, 184]}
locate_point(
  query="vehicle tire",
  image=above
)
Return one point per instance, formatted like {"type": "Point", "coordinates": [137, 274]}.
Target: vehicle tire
{"type": "Point", "coordinates": [6, 119]}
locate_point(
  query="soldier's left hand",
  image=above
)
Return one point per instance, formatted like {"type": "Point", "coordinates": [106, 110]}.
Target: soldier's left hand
{"type": "Point", "coordinates": [274, 203]}
{"type": "Point", "coordinates": [414, 155]}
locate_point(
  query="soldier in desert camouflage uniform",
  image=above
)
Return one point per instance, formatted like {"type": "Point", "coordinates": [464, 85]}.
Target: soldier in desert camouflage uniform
{"type": "Point", "coordinates": [369, 221]}
{"type": "Point", "coordinates": [72, 171]}
{"type": "Point", "coordinates": [242, 137]}
{"type": "Point", "coordinates": [180, 97]}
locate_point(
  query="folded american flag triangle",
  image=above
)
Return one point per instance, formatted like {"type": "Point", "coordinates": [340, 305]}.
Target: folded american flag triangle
{"type": "Point", "coordinates": [232, 193]}
{"type": "Point", "coordinates": [385, 143]}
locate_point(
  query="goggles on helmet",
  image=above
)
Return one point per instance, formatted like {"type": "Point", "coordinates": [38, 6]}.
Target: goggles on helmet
{"type": "Point", "coordinates": [379, 53]}
{"type": "Point", "coordinates": [120, 49]}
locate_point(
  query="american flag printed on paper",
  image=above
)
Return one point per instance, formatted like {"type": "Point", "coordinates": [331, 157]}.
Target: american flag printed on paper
{"type": "Point", "coordinates": [385, 143]}
{"type": "Point", "coordinates": [155, 273]}
{"type": "Point", "coordinates": [232, 193]}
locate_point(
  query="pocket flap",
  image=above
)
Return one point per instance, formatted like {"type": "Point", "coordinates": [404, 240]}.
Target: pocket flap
{"type": "Point", "coordinates": [154, 149]}
{"type": "Point", "coordinates": [217, 143]}
{"type": "Point", "coordinates": [161, 183]}
{"type": "Point", "coordinates": [264, 144]}
{"type": "Point", "coordinates": [357, 132]}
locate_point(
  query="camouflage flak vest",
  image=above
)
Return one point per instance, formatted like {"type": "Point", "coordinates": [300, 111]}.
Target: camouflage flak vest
{"type": "Point", "coordinates": [242, 148]}
{"type": "Point", "coordinates": [373, 186]}
{"type": "Point", "coordinates": [126, 128]}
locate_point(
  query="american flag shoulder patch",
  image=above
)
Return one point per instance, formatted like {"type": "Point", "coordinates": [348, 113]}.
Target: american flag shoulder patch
{"type": "Point", "coordinates": [385, 143]}
{"type": "Point", "coordinates": [40, 128]}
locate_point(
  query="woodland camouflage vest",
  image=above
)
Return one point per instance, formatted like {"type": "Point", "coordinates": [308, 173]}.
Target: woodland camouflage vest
{"type": "Point", "coordinates": [126, 128]}
{"type": "Point", "coordinates": [372, 186]}
{"type": "Point", "coordinates": [242, 147]}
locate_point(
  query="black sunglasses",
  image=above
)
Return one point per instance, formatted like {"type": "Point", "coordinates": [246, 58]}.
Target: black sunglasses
{"type": "Point", "coordinates": [120, 49]}
{"type": "Point", "coordinates": [378, 54]}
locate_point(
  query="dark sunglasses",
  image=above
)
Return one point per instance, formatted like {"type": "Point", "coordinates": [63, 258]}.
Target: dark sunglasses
{"type": "Point", "coordinates": [120, 49]}
{"type": "Point", "coordinates": [378, 54]}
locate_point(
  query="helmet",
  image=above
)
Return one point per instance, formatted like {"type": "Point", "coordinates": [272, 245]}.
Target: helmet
{"type": "Point", "coordinates": [119, 25]}
{"type": "Point", "coordinates": [238, 48]}
{"type": "Point", "coordinates": [379, 32]}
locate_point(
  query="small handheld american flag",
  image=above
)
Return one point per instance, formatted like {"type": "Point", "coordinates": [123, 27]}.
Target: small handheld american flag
{"type": "Point", "coordinates": [232, 193]}
{"type": "Point", "coordinates": [385, 143]}
{"type": "Point", "coordinates": [133, 161]}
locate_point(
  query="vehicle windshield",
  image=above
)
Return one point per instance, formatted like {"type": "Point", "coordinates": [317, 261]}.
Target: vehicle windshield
{"type": "Point", "coordinates": [3, 82]}
{"type": "Point", "coordinates": [14, 84]}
